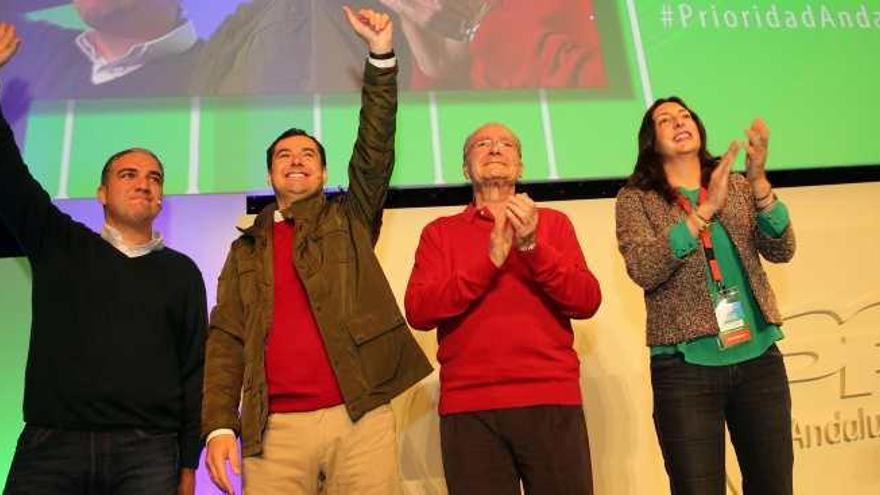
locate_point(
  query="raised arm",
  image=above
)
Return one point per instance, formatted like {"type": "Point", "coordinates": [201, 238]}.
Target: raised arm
{"type": "Point", "coordinates": [26, 209]}
{"type": "Point", "coordinates": [774, 236]}
{"type": "Point", "coordinates": [372, 160]}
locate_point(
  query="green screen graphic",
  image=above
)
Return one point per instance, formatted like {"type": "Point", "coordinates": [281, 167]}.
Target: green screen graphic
{"type": "Point", "coordinates": [15, 306]}
{"type": "Point", "coordinates": [808, 68]}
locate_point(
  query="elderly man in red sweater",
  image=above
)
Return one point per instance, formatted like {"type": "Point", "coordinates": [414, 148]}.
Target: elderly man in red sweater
{"type": "Point", "coordinates": [500, 281]}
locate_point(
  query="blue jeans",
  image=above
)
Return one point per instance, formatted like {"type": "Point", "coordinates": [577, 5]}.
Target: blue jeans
{"type": "Point", "coordinates": [53, 461]}
{"type": "Point", "coordinates": [691, 405]}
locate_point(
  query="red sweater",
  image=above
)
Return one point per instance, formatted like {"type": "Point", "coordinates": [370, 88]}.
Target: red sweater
{"type": "Point", "coordinates": [298, 370]}
{"type": "Point", "coordinates": [505, 336]}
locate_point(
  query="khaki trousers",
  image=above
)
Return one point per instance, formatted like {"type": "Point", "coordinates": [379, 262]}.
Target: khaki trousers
{"type": "Point", "coordinates": [324, 452]}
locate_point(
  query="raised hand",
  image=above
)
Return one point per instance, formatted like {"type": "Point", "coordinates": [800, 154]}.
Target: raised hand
{"type": "Point", "coordinates": [500, 240]}
{"type": "Point", "coordinates": [373, 27]}
{"type": "Point", "coordinates": [758, 135]}
{"type": "Point", "coordinates": [720, 178]}
{"type": "Point", "coordinates": [522, 213]}
{"type": "Point", "coordinates": [9, 42]}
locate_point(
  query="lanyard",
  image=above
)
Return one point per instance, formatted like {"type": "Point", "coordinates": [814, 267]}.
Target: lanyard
{"type": "Point", "coordinates": [705, 238]}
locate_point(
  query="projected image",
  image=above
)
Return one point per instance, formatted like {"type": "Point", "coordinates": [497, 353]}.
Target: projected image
{"type": "Point", "coordinates": [569, 76]}
{"type": "Point", "coordinates": [475, 44]}
{"type": "Point", "coordinates": [90, 48]}
{"type": "Point", "coordinates": [133, 48]}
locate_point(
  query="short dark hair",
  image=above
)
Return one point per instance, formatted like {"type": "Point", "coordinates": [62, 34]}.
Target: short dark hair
{"type": "Point", "coordinates": [105, 172]}
{"type": "Point", "coordinates": [293, 131]}
{"type": "Point", "coordinates": [649, 174]}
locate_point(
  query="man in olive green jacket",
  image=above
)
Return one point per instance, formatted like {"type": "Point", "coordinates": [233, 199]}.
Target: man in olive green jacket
{"type": "Point", "coordinates": [306, 333]}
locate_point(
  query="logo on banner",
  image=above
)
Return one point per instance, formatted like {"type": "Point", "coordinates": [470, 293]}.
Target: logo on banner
{"type": "Point", "coordinates": [826, 350]}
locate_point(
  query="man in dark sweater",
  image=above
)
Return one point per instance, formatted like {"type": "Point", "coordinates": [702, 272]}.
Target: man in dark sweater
{"type": "Point", "coordinates": [500, 281]}
{"type": "Point", "coordinates": [113, 379]}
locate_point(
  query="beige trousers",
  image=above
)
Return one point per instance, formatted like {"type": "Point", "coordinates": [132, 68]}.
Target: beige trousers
{"type": "Point", "coordinates": [324, 452]}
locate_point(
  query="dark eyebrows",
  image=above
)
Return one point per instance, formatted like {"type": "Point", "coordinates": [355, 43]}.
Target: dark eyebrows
{"type": "Point", "coordinates": [681, 110]}
{"type": "Point", "coordinates": [151, 173]}
{"type": "Point", "coordinates": [310, 149]}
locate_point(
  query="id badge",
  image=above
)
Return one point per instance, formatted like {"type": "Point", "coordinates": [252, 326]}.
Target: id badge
{"type": "Point", "coordinates": [731, 319]}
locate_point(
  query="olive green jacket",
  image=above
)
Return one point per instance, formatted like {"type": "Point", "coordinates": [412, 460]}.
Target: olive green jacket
{"type": "Point", "coordinates": [371, 350]}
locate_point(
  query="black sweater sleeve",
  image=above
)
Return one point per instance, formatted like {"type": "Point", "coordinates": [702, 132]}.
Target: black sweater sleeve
{"type": "Point", "coordinates": [192, 361]}
{"type": "Point", "coordinates": [25, 207]}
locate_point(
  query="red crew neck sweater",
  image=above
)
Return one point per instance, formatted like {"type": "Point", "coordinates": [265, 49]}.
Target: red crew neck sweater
{"type": "Point", "coordinates": [298, 370]}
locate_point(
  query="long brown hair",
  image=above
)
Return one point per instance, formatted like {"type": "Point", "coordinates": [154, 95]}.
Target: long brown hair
{"type": "Point", "coordinates": [649, 174]}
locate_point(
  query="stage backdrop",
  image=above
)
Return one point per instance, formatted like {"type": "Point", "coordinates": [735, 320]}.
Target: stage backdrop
{"type": "Point", "coordinates": [829, 295]}
{"type": "Point", "coordinates": [573, 82]}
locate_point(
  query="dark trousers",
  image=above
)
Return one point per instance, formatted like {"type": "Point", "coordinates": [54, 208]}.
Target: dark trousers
{"type": "Point", "coordinates": [692, 404]}
{"type": "Point", "coordinates": [50, 461]}
{"type": "Point", "coordinates": [490, 452]}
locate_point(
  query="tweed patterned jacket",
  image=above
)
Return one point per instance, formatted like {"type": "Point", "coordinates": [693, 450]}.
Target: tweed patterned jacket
{"type": "Point", "coordinates": [677, 300]}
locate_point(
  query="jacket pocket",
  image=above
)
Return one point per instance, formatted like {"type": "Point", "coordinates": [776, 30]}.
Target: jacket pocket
{"type": "Point", "coordinates": [379, 344]}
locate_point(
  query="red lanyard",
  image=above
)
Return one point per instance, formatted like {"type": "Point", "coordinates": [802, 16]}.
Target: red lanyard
{"type": "Point", "coordinates": [705, 237]}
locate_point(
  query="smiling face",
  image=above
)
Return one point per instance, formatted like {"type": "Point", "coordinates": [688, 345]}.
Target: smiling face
{"type": "Point", "coordinates": [492, 155]}
{"type": "Point", "coordinates": [297, 170]}
{"type": "Point", "coordinates": [131, 190]}
{"type": "Point", "coordinates": [676, 131]}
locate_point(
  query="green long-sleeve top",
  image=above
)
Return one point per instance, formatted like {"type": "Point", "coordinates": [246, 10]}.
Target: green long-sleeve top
{"type": "Point", "coordinates": [705, 350]}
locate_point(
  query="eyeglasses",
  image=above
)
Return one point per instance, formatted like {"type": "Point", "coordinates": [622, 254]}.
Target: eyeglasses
{"type": "Point", "coordinates": [489, 143]}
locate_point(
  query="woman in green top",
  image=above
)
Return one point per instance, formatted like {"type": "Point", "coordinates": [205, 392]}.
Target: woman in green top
{"type": "Point", "coordinates": [691, 234]}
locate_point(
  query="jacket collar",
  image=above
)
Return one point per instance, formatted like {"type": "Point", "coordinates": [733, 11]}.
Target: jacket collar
{"type": "Point", "coordinates": [302, 212]}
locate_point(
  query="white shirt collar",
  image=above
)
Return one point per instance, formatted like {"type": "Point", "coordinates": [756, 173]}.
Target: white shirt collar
{"type": "Point", "coordinates": [113, 236]}
{"type": "Point", "coordinates": [179, 40]}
